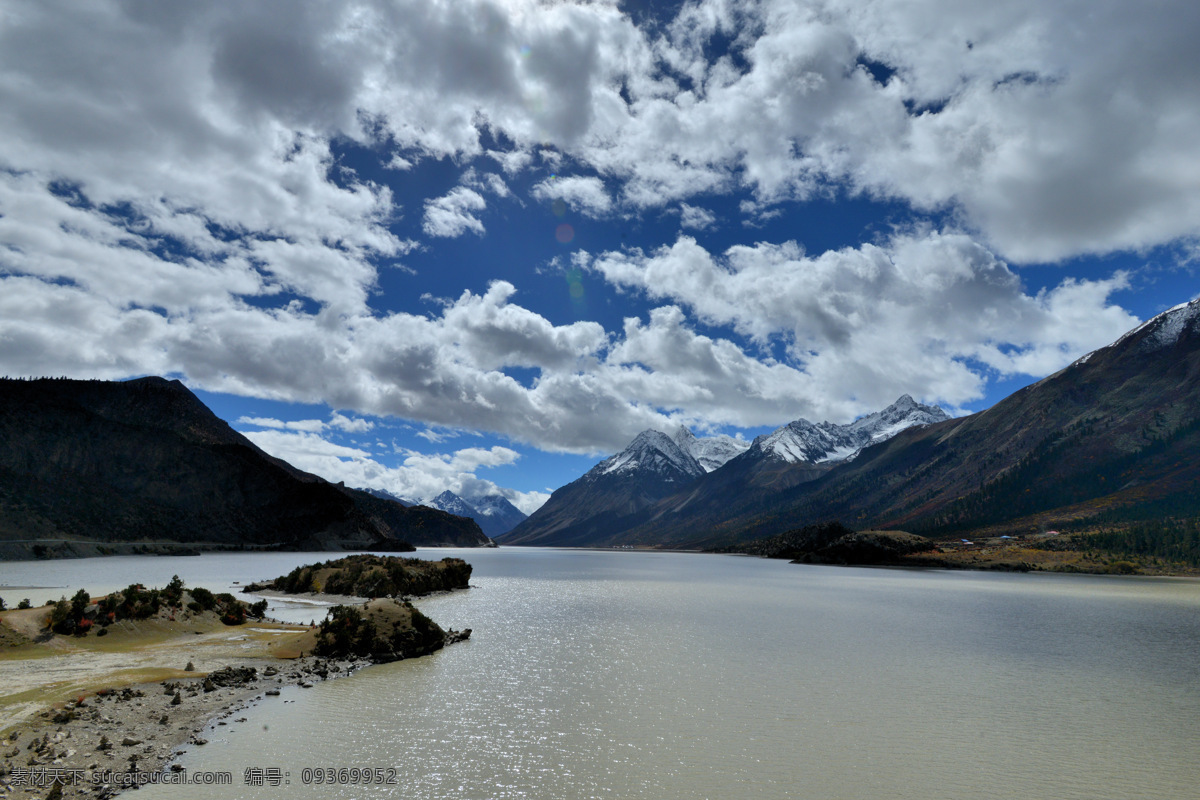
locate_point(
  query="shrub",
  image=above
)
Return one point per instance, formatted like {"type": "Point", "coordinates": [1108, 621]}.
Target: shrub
{"type": "Point", "coordinates": [203, 598]}
{"type": "Point", "coordinates": [60, 618]}
{"type": "Point", "coordinates": [24, 604]}
{"type": "Point", "coordinates": [232, 610]}
{"type": "Point", "coordinates": [108, 609]}
{"type": "Point", "coordinates": [138, 602]}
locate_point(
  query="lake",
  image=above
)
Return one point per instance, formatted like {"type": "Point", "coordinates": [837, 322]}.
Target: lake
{"type": "Point", "coordinates": [607, 674]}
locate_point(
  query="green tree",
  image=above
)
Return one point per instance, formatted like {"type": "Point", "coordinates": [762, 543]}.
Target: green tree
{"type": "Point", "coordinates": [173, 594]}
{"type": "Point", "coordinates": [205, 599]}
{"type": "Point", "coordinates": [60, 617]}
{"type": "Point", "coordinates": [79, 604]}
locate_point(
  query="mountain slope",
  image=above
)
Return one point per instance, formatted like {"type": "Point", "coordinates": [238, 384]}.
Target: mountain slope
{"type": "Point", "coordinates": [710, 452]}
{"type": "Point", "coordinates": [145, 460]}
{"type": "Point", "coordinates": [1116, 435]}
{"type": "Point", "coordinates": [496, 515]}
{"type": "Point", "coordinates": [452, 504]}
{"type": "Point", "coordinates": [751, 483]}
{"type": "Point", "coordinates": [383, 494]}
{"type": "Point", "coordinates": [612, 495]}
{"type": "Point", "coordinates": [493, 513]}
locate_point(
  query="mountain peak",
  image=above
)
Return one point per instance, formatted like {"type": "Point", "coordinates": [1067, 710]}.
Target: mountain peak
{"type": "Point", "coordinates": [651, 452]}
{"type": "Point", "coordinates": [493, 512]}
{"type": "Point", "coordinates": [451, 503]}
{"type": "Point", "coordinates": [684, 437]}
{"type": "Point", "coordinates": [710, 452]}
{"type": "Point", "coordinates": [826, 442]}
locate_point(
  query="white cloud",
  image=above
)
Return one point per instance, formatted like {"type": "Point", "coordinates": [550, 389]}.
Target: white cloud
{"type": "Point", "coordinates": [696, 218]}
{"type": "Point", "coordinates": [305, 425]}
{"type": "Point", "coordinates": [454, 214]}
{"type": "Point", "coordinates": [418, 477]}
{"type": "Point", "coordinates": [305, 450]}
{"type": "Point", "coordinates": [1008, 113]}
{"type": "Point", "coordinates": [350, 424]}
{"type": "Point", "coordinates": [486, 182]}
{"type": "Point", "coordinates": [584, 194]}
{"type": "Point", "coordinates": [336, 420]}
{"type": "Point", "coordinates": [168, 201]}
{"type": "Point", "coordinates": [874, 322]}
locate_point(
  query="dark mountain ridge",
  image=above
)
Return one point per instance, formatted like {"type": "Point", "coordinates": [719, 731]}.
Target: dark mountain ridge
{"type": "Point", "coordinates": [87, 464]}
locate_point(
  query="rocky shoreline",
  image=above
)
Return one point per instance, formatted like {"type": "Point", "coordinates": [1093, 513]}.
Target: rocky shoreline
{"type": "Point", "coordinates": [99, 745]}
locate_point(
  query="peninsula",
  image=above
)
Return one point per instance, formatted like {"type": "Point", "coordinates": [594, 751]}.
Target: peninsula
{"type": "Point", "coordinates": [100, 690]}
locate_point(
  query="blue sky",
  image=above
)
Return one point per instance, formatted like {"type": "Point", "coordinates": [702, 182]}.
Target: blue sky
{"type": "Point", "coordinates": [477, 245]}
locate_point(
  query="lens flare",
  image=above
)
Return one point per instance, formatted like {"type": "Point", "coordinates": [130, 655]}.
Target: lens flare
{"type": "Point", "coordinates": [575, 291]}
{"type": "Point", "coordinates": [564, 233]}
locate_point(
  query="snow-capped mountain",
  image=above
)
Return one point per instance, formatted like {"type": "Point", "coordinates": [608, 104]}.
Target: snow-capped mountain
{"type": "Point", "coordinates": [451, 503]}
{"type": "Point", "coordinates": [654, 453]}
{"type": "Point", "coordinates": [614, 493]}
{"type": "Point", "coordinates": [618, 493]}
{"type": "Point", "coordinates": [827, 442]}
{"type": "Point", "coordinates": [494, 513]}
{"type": "Point", "coordinates": [710, 452]}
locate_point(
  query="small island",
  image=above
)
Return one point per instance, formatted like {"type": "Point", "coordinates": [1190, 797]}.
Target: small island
{"type": "Point", "coordinates": [139, 674]}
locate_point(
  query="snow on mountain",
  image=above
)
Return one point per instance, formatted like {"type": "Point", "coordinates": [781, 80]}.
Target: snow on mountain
{"type": "Point", "coordinates": [495, 514]}
{"type": "Point", "coordinates": [451, 503]}
{"type": "Point", "coordinates": [1172, 324]}
{"type": "Point", "coordinates": [826, 442]}
{"type": "Point", "coordinates": [1165, 330]}
{"type": "Point", "coordinates": [650, 452]}
{"type": "Point", "coordinates": [711, 451]}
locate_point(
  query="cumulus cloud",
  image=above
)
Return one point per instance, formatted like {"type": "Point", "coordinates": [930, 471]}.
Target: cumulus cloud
{"type": "Point", "coordinates": [454, 214]}
{"type": "Point", "coordinates": [584, 194]}
{"type": "Point", "coordinates": [876, 321]}
{"type": "Point", "coordinates": [486, 182]}
{"type": "Point", "coordinates": [171, 201]}
{"type": "Point", "coordinates": [1008, 113]}
{"type": "Point", "coordinates": [336, 421]}
{"type": "Point", "coordinates": [420, 477]}
{"type": "Point", "coordinates": [695, 217]}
